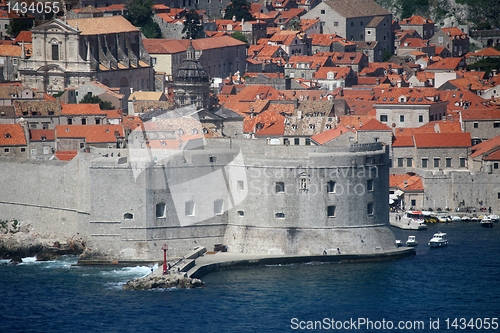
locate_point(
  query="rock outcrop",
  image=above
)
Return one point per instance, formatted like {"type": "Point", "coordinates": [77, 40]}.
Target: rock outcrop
{"type": "Point", "coordinates": [17, 242]}
{"type": "Point", "coordinates": [163, 281]}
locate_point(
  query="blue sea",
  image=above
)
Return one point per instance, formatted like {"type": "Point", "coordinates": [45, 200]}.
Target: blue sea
{"type": "Point", "coordinates": [455, 288]}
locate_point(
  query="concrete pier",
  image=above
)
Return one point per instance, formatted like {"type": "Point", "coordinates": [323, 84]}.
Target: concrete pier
{"type": "Point", "coordinates": [224, 260]}
{"type": "Point", "coordinates": [404, 223]}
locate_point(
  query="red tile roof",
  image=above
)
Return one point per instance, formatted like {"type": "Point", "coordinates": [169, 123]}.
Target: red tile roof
{"type": "Point", "coordinates": [374, 125]}
{"type": "Point", "coordinates": [12, 135]}
{"type": "Point", "coordinates": [487, 52]}
{"type": "Point", "coordinates": [415, 20]}
{"type": "Point", "coordinates": [82, 109]}
{"type": "Point", "coordinates": [403, 141]}
{"type": "Point", "coordinates": [485, 147]}
{"type": "Point", "coordinates": [324, 137]}
{"type": "Point", "coordinates": [406, 182]}
{"type": "Point", "coordinates": [445, 64]}
{"type": "Point", "coordinates": [42, 134]}
{"type": "Point", "coordinates": [24, 36]}
{"type": "Point", "coordinates": [267, 123]}
{"type": "Point", "coordinates": [436, 140]}
{"type": "Point", "coordinates": [91, 133]}
{"type": "Point", "coordinates": [65, 155]}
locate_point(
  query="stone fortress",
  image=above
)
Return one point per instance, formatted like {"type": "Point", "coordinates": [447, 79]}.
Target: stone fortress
{"type": "Point", "coordinates": [245, 194]}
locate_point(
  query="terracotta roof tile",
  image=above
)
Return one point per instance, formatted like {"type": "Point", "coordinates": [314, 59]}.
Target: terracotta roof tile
{"type": "Point", "coordinates": [65, 155]}
{"type": "Point", "coordinates": [374, 125]}
{"type": "Point", "coordinates": [12, 135]}
{"type": "Point", "coordinates": [435, 140]}
{"type": "Point", "coordinates": [267, 123]}
{"type": "Point", "coordinates": [23, 36]}
{"type": "Point", "coordinates": [403, 141]}
{"type": "Point", "coordinates": [103, 25]}
{"type": "Point", "coordinates": [91, 133]}
{"type": "Point", "coordinates": [82, 109]}
{"type": "Point", "coordinates": [415, 20]}
{"type": "Point", "coordinates": [485, 147]}
{"type": "Point", "coordinates": [42, 134]}
{"type": "Point", "coordinates": [445, 64]}
{"type": "Point", "coordinates": [324, 137]}
{"type": "Point", "coordinates": [396, 179]}
{"type": "Point", "coordinates": [10, 51]}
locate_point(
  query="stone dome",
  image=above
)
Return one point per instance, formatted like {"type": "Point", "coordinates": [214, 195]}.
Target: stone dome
{"type": "Point", "coordinates": [191, 70]}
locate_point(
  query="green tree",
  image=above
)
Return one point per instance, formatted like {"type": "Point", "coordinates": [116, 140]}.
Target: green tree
{"type": "Point", "coordinates": [239, 36]}
{"type": "Point", "coordinates": [140, 14]}
{"type": "Point", "coordinates": [192, 25]}
{"type": "Point", "coordinates": [295, 25]}
{"type": "Point", "coordinates": [104, 105]}
{"type": "Point", "coordinates": [15, 27]}
{"type": "Point", "coordinates": [240, 9]}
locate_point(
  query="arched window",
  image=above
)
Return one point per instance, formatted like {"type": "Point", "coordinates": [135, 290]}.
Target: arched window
{"type": "Point", "coordinates": [128, 216]}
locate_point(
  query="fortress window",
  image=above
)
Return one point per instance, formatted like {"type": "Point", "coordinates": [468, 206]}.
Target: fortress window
{"type": "Point", "coordinates": [369, 208]}
{"type": "Point", "coordinates": [189, 208]}
{"type": "Point", "coordinates": [383, 118]}
{"type": "Point", "coordinates": [303, 184]}
{"type": "Point", "coordinates": [218, 207]}
{"type": "Point", "coordinates": [279, 215]}
{"type": "Point", "coordinates": [369, 185]}
{"type": "Point", "coordinates": [161, 210]}
{"type": "Point", "coordinates": [308, 141]}
{"type": "Point", "coordinates": [330, 211]}
{"type": "Point", "coordinates": [296, 141]}
{"type": "Point", "coordinates": [128, 216]}
{"type": "Point", "coordinates": [280, 187]}
{"type": "Point", "coordinates": [436, 162]}
{"type": "Point", "coordinates": [240, 213]}
{"type": "Point", "coordinates": [213, 159]}
{"type": "Point", "coordinates": [401, 118]}
{"type": "Point", "coordinates": [240, 185]}
{"type": "Point", "coordinates": [6, 150]}
{"type": "Point", "coordinates": [420, 118]}
{"type": "Point", "coordinates": [448, 162]}
{"type": "Point", "coordinates": [424, 162]}
{"type": "Point", "coordinates": [84, 121]}
{"type": "Point", "coordinates": [409, 162]}
{"type": "Point", "coordinates": [413, 202]}
{"type": "Point", "coordinates": [462, 162]}
{"type": "Point", "coordinates": [368, 159]}
{"type": "Point", "coordinates": [330, 186]}
{"type": "Point", "coordinates": [400, 162]}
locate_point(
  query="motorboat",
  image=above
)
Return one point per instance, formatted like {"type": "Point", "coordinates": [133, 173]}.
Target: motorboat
{"type": "Point", "coordinates": [411, 241]}
{"type": "Point", "coordinates": [486, 222]}
{"type": "Point", "coordinates": [398, 242]}
{"type": "Point", "coordinates": [494, 217]}
{"type": "Point", "coordinates": [438, 240]}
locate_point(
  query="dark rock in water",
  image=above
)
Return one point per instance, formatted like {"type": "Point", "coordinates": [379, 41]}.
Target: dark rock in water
{"type": "Point", "coordinates": [163, 281]}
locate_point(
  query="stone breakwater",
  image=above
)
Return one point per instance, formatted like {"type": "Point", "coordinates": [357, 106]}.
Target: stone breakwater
{"type": "Point", "coordinates": [163, 281]}
{"type": "Point", "coordinates": [17, 242]}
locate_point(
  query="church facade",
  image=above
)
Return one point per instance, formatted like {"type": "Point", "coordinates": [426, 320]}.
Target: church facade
{"type": "Point", "coordinates": [73, 52]}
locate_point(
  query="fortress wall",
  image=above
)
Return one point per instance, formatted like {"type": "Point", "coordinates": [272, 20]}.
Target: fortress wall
{"type": "Point", "coordinates": [52, 196]}
{"type": "Point", "coordinates": [267, 218]}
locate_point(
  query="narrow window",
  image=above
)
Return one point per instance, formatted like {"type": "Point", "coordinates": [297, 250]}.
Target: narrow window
{"type": "Point", "coordinates": [240, 185]}
{"type": "Point", "coordinates": [495, 165]}
{"type": "Point", "coordinates": [161, 210]}
{"type": "Point", "coordinates": [213, 159]}
{"type": "Point", "coordinates": [84, 121]}
{"type": "Point", "coordinates": [218, 207]}
{"type": "Point", "coordinates": [476, 125]}
{"type": "Point", "coordinates": [55, 51]}
{"type": "Point", "coordinates": [448, 162]}
{"type": "Point", "coordinates": [280, 187]}
{"type": "Point", "coordinates": [420, 118]}
{"type": "Point", "coordinates": [189, 208]}
{"type": "Point", "coordinates": [401, 118]}
{"type": "Point", "coordinates": [383, 118]}
{"type": "Point", "coordinates": [462, 162]}
{"type": "Point", "coordinates": [308, 141]}
{"type": "Point", "coordinates": [330, 186]}
{"type": "Point", "coordinates": [413, 202]}
{"type": "Point", "coordinates": [330, 211]}
{"type": "Point", "coordinates": [296, 141]}
{"type": "Point", "coordinates": [400, 162]}
{"type": "Point", "coordinates": [436, 162]}
{"type": "Point", "coordinates": [409, 162]}
{"type": "Point", "coordinates": [424, 162]}
{"type": "Point", "coordinates": [369, 185]}
{"type": "Point", "coordinates": [369, 208]}
{"type": "Point", "coordinates": [368, 159]}
{"type": "Point", "coordinates": [303, 184]}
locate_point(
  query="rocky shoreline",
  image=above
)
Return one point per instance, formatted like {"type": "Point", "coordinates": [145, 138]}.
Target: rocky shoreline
{"type": "Point", "coordinates": [17, 242]}
{"type": "Point", "coordinates": [153, 281]}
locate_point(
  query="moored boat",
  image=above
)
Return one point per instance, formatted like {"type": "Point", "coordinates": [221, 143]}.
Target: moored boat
{"type": "Point", "coordinates": [486, 222]}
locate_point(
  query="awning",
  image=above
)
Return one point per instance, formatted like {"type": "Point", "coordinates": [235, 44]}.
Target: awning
{"type": "Point", "coordinates": [399, 193]}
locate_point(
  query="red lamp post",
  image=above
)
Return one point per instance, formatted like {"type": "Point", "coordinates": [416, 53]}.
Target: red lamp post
{"type": "Point", "coordinates": [165, 248]}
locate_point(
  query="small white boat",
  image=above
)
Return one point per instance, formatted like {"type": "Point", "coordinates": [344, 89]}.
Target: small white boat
{"type": "Point", "coordinates": [494, 217]}
{"type": "Point", "coordinates": [438, 240]}
{"type": "Point", "coordinates": [398, 242]}
{"type": "Point", "coordinates": [487, 222]}
{"type": "Point", "coordinates": [411, 241]}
